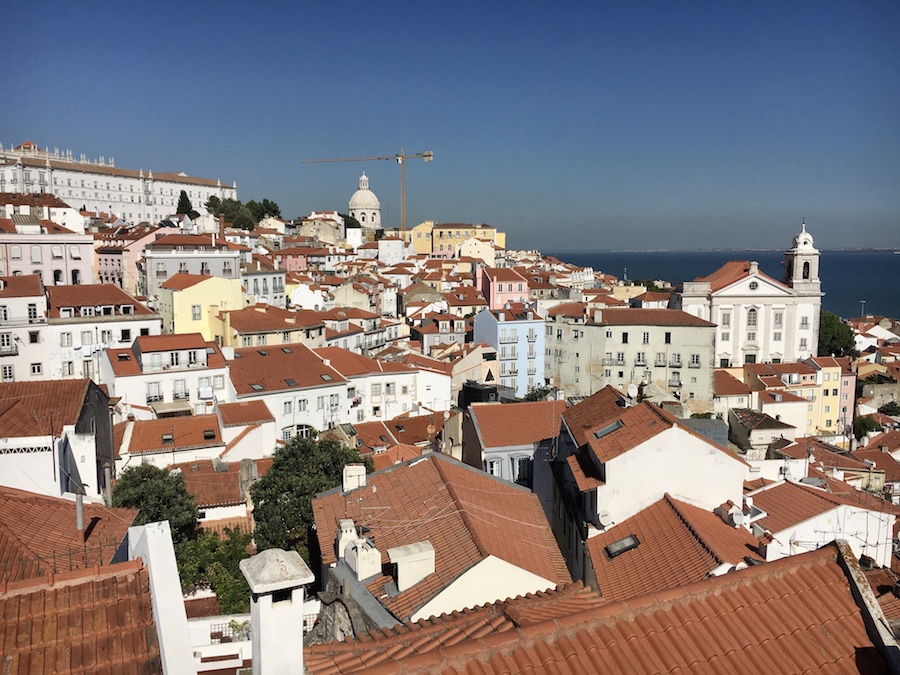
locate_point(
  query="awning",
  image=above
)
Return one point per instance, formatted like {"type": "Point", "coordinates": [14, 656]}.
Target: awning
{"type": "Point", "coordinates": [173, 409]}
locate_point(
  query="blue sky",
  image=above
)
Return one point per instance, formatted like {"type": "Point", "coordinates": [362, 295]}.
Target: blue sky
{"type": "Point", "coordinates": [570, 125]}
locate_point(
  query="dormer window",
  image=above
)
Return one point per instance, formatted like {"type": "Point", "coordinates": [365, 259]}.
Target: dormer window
{"type": "Point", "coordinates": [87, 311]}
{"type": "Point", "coordinates": [126, 309]}
{"type": "Point", "coordinates": [66, 312]}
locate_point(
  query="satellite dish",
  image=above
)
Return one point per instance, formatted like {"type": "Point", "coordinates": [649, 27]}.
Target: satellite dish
{"type": "Point", "coordinates": [632, 390]}
{"type": "Point", "coordinates": [605, 518]}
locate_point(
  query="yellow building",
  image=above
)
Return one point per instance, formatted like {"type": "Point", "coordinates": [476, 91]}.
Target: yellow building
{"type": "Point", "coordinates": [443, 238]}
{"type": "Point", "coordinates": [190, 303]}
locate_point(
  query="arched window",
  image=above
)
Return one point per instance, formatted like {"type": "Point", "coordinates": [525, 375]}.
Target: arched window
{"type": "Point", "coordinates": [751, 317]}
{"type": "Point", "coordinates": [362, 217]}
{"type": "Point", "coordinates": [35, 254]}
{"type": "Point", "coordinates": [806, 270]}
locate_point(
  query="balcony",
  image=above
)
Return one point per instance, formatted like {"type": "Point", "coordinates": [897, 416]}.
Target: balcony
{"type": "Point", "coordinates": [180, 395]}
{"type": "Point", "coordinates": [9, 350]}
{"type": "Point", "coordinates": [675, 384]}
{"type": "Point", "coordinates": [660, 363]}
{"type": "Point", "coordinates": [675, 363]}
{"type": "Point", "coordinates": [640, 361]}
{"type": "Point", "coordinates": [620, 362]}
{"type": "Point", "coordinates": [205, 393]}
{"type": "Point", "coordinates": [532, 337]}
{"type": "Point", "coordinates": [154, 398]}
{"type": "Point", "coordinates": [608, 362]}
{"type": "Point", "coordinates": [694, 364]}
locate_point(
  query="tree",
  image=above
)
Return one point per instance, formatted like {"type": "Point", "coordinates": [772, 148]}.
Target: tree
{"type": "Point", "coordinates": [891, 409]}
{"type": "Point", "coordinates": [282, 499]}
{"type": "Point", "coordinates": [865, 424]}
{"type": "Point", "coordinates": [537, 394]}
{"type": "Point", "coordinates": [185, 206]}
{"type": "Point", "coordinates": [270, 208]}
{"type": "Point", "coordinates": [212, 562]}
{"type": "Point", "coordinates": [214, 205]}
{"type": "Point", "coordinates": [835, 337]}
{"type": "Point", "coordinates": [350, 221]}
{"type": "Point", "coordinates": [160, 495]}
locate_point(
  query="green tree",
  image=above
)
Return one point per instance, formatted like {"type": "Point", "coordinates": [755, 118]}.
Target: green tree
{"type": "Point", "coordinates": [865, 424]}
{"type": "Point", "coordinates": [283, 497]}
{"type": "Point", "coordinates": [160, 495]}
{"type": "Point", "coordinates": [209, 561]}
{"type": "Point", "coordinates": [255, 209]}
{"type": "Point", "coordinates": [214, 205]}
{"type": "Point", "coordinates": [270, 208]}
{"type": "Point", "coordinates": [835, 337]}
{"type": "Point", "coordinates": [185, 206]}
{"type": "Point", "coordinates": [350, 221]}
{"type": "Point", "coordinates": [537, 394]}
{"type": "Point", "coordinates": [891, 409]}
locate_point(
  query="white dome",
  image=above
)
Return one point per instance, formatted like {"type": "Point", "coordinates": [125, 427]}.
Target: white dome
{"type": "Point", "coordinates": [803, 240]}
{"type": "Point", "coordinates": [364, 199]}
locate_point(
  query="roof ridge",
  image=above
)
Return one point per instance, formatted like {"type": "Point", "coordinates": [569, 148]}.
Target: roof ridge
{"type": "Point", "coordinates": [673, 504]}
{"type": "Point", "coordinates": [461, 510]}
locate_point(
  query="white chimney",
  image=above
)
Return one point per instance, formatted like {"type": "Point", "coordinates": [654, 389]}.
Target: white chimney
{"type": "Point", "coordinates": [346, 535]}
{"type": "Point", "coordinates": [276, 579]}
{"type": "Point", "coordinates": [354, 477]}
{"type": "Point", "coordinates": [363, 558]}
{"type": "Point", "coordinates": [414, 562]}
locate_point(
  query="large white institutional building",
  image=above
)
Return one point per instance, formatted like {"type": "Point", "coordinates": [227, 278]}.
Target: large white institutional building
{"type": "Point", "coordinates": [760, 319]}
{"type": "Point", "coordinates": [98, 185]}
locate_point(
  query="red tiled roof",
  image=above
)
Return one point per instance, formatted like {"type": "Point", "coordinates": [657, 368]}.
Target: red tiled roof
{"type": "Point", "coordinates": [189, 432]}
{"type": "Point", "coordinates": [887, 439]}
{"type": "Point", "coordinates": [730, 272]}
{"type": "Point", "coordinates": [350, 364]}
{"type": "Point", "coordinates": [396, 454]}
{"type": "Point", "coordinates": [823, 455]}
{"type": "Point", "coordinates": [263, 317]}
{"type": "Point", "coordinates": [244, 413]}
{"type": "Point", "coordinates": [504, 274]}
{"type": "Point", "coordinates": [570, 309]}
{"type": "Point", "coordinates": [97, 620]}
{"type": "Point", "coordinates": [589, 413]}
{"type": "Point", "coordinates": [38, 532]}
{"type": "Point", "coordinates": [509, 424]}
{"type": "Point", "coordinates": [181, 280]}
{"type": "Point", "coordinates": [638, 316]}
{"type": "Point", "coordinates": [25, 286]}
{"type": "Point", "coordinates": [727, 384]}
{"type": "Point", "coordinates": [686, 541]}
{"type": "Point", "coordinates": [212, 483]}
{"type": "Point", "coordinates": [788, 504]}
{"type": "Point", "coordinates": [480, 515]}
{"type": "Point", "coordinates": [884, 461]}
{"type": "Point", "coordinates": [166, 343]}
{"type": "Point", "coordinates": [795, 615]}
{"type": "Point", "coordinates": [40, 408]}
{"type": "Point", "coordinates": [271, 367]}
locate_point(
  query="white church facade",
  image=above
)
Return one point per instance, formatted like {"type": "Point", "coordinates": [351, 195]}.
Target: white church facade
{"type": "Point", "coordinates": [100, 186]}
{"type": "Point", "coordinates": [760, 319]}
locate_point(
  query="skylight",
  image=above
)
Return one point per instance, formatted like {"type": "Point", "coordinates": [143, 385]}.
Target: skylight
{"type": "Point", "coordinates": [622, 546]}
{"type": "Point", "coordinates": [256, 387]}
{"type": "Point", "coordinates": [287, 350]}
{"type": "Point", "coordinates": [608, 429]}
{"type": "Point", "coordinates": [262, 352]}
{"type": "Point", "coordinates": [291, 382]}
{"type": "Point", "coordinates": [327, 378]}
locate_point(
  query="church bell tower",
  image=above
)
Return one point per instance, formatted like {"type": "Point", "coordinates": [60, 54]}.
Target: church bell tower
{"type": "Point", "coordinates": [801, 265]}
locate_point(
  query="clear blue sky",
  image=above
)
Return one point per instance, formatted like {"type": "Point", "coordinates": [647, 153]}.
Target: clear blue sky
{"type": "Point", "coordinates": [602, 125]}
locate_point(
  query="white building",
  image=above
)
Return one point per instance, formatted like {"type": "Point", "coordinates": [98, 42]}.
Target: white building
{"type": "Point", "coordinates": [100, 186]}
{"type": "Point", "coordinates": [364, 205]}
{"type": "Point", "coordinates": [761, 320]}
{"type": "Point", "coordinates": [23, 329]}
{"type": "Point", "coordinates": [191, 253]}
{"type": "Point", "coordinates": [517, 333]}
{"type": "Point", "coordinates": [85, 320]}
{"type": "Point", "coordinates": [167, 375]}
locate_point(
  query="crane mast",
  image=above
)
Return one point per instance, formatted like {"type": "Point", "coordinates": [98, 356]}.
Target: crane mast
{"type": "Point", "coordinates": [400, 158]}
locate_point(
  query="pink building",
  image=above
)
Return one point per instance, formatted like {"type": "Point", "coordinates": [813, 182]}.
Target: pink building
{"type": "Point", "coordinates": [501, 285]}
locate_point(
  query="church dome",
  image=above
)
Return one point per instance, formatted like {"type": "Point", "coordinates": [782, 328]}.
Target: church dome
{"type": "Point", "coordinates": [364, 199]}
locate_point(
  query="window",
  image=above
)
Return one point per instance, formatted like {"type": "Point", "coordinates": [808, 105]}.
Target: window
{"type": "Point", "coordinates": [376, 390]}
{"type": "Point", "coordinates": [65, 340]}
{"type": "Point", "coordinates": [668, 338]}
{"type": "Point", "coordinates": [695, 361]}
{"type": "Point", "coordinates": [751, 336]}
{"type": "Point", "coordinates": [36, 369]}
{"type": "Point", "coordinates": [74, 253]}
{"type": "Point", "coordinates": [751, 318]}
{"type": "Point", "coordinates": [87, 337]}
{"type": "Point", "coordinates": [174, 359]}
{"type": "Point", "coordinates": [286, 336]}
{"type": "Point", "coordinates": [776, 337]}
{"type": "Point", "coordinates": [726, 337]}
{"type": "Point", "coordinates": [287, 407]}
{"type": "Point", "coordinates": [624, 338]}
{"type": "Point", "coordinates": [608, 334]}
{"type": "Point", "coordinates": [803, 344]}
{"type": "Point", "coordinates": [218, 381]}
{"type": "Point", "coordinates": [7, 372]}
{"type": "Point", "coordinates": [68, 368]}
{"type": "Point", "coordinates": [804, 323]}
{"type": "Point", "coordinates": [153, 392]}
{"type": "Point", "coordinates": [778, 319]}
{"type": "Point", "coordinates": [56, 252]}
{"type": "Point", "coordinates": [389, 389]}
{"type": "Point", "coordinates": [125, 335]}
{"type": "Point", "coordinates": [15, 252]}
{"type": "Point", "coordinates": [192, 357]}
{"type": "Point", "coordinates": [36, 255]}
{"type": "Point", "coordinates": [320, 402]}
{"type": "Point", "coordinates": [32, 312]}
{"type": "Point", "coordinates": [260, 340]}
{"type": "Point", "coordinates": [301, 405]}
{"type": "Point", "coordinates": [646, 338]}
{"type": "Point", "coordinates": [494, 467]}
{"type": "Point", "coordinates": [195, 312]}
{"type": "Point", "coordinates": [4, 313]}
{"type": "Point", "coordinates": [106, 336]}
{"type": "Point", "coordinates": [33, 337]}
{"type": "Point", "coordinates": [247, 340]}
{"type": "Point", "coordinates": [726, 319]}
{"type": "Point", "coordinates": [179, 390]}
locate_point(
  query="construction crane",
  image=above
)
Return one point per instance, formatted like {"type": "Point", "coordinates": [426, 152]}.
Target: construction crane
{"type": "Point", "coordinates": [401, 160]}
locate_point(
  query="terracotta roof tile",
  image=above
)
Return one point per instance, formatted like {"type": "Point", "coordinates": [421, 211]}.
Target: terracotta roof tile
{"type": "Point", "coordinates": [97, 620]}
{"type": "Point", "coordinates": [212, 483]}
{"type": "Point", "coordinates": [884, 461]}
{"type": "Point", "coordinates": [244, 413]}
{"type": "Point", "coordinates": [730, 272]}
{"type": "Point", "coordinates": [686, 541]}
{"type": "Point", "coordinates": [90, 296]}
{"type": "Point", "coordinates": [649, 317]}
{"type": "Point", "coordinates": [280, 367]}
{"type": "Point", "coordinates": [25, 286]}
{"type": "Point", "coordinates": [41, 407]}
{"type": "Point", "coordinates": [188, 432]}
{"type": "Point", "coordinates": [464, 513]}
{"type": "Point", "coordinates": [509, 424]}
{"type": "Point", "coordinates": [727, 384]}
{"type": "Point", "coordinates": [182, 280]}
{"type": "Point", "coordinates": [38, 535]}
{"type": "Point", "coordinates": [801, 606]}
{"type": "Point", "coordinates": [788, 504]}
{"type": "Point", "coordinates": [395, 454]}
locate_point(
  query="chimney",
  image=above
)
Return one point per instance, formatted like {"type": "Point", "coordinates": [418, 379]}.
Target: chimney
{"type": "Point", "coordinates": [363, 558]}
{"type": "Point", "coordinates": [79, 512]}
{"type": "Point", "coordinates": [754, 267]}
{"type": "Point", "coordinates": [413, 562]}
{"type": "Point", "coordinates": [354, 477]}
{"type": "Point", "coordinates": [598, 316]}
{"type": "Point", "coordinates": [276, 579]}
